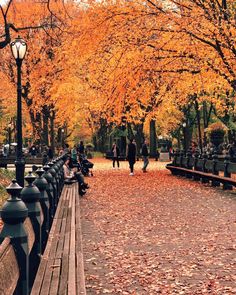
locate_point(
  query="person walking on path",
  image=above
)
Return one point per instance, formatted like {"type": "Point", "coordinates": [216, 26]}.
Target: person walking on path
{"type": "Point", "coordinates": [81, 148]}
{"type": "Point", "coordinates": [145, 156]}
{"type": "Point", "coordinates": [131, 156]}
{"type": "Point", "coordinates": [116, 153]}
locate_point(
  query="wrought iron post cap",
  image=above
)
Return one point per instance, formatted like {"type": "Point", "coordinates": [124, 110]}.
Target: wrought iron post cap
{"type": "Point", "coordinates": [39, 171]}
{"type": "Point", "coordinates": [52, 170]}
{"type": "Point", "coordinates": [56, 167]}
{"type": "Point", "coordinates": [14, 209]}
{"type": "Point", "coordinates": [40, 181]}
{"type": "Point", "coordinates": [47, 174]}
{"type": "Point", "coordinates": [46, 167]}
{"type": "Point", "coordinates": [30, 193]}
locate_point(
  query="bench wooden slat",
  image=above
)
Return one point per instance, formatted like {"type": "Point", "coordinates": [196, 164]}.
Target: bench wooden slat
{"type": "Point", "coordinates": [72, 266]}
{"type": "Point", "coordinates": [62, 265]}
{"type": "Point", "coordinates": [47, 278]}
{"type": "Point", "coordinates": [79, 252]}
{"type": "Point", "coordinates": [64, 275]}
{"type": "Point", "coordinates": [9, 271]}
{"type": "Point", "coordinates": [36, 290]}
{"type": "Point", "coordinates": [55, 277]}
{"type": "Point", "coordinates": [43, 267]}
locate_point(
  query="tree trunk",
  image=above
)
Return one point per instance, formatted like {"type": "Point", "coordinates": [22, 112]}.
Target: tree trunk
{"type": "Point", "coordinates": [123, 145]}
{"type": "Point", "coordinates": [130, 131]}
{"type": "Point", "coordinates": [153, 139]}
{"type": "Point", "coordinates": [102, 136]}
{"type": "Point", "coordinates": [199, 125]}
{"type": "Point", "coordinates": [45, 125]}
{"type": "Point", "coordinates": [52, 136]}
{"type": "Point", "coordinates": [139, 136]}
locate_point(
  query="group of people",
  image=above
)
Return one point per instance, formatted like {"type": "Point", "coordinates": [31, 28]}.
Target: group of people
{"type": "Point", "coordinates": [72, 172]}
{"type": "Point", "coordinates": [72, 167]}
{"type": "Point", "coordinates": [131, 155]}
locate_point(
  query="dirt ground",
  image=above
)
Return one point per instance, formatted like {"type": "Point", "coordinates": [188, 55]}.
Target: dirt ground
{"type": "Point", "coordinates": [154, 233]}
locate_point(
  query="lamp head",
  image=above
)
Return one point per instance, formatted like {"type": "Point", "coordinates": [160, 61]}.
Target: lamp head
{"type": "Point", "coordinates": [184, 124]}
{"type": "Point", "coordinates": [18, 48]}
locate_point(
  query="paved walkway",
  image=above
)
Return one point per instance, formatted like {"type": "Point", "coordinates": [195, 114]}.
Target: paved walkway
{"type": "Point", "coordinates": [157, 234]}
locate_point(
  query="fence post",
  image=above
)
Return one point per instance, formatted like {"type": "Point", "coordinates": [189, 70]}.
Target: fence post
{"type": "Point", "coordinates": [54, 182]}
{"type": "Point", "coordinates": [204, 179]}
{"type": "Point", "coordinates": [174, 158]}
{"type": "Point", "coordinates": [61, 163]}
{"type": "Point", "coordinates": [42, 184]}
{"type": "Point", "coordinates": [30, 195]}
{"type": "Point", "coordinates": [181, 154]}
{"type": "Point", "coordinates": [189, 156]}
{"type": "Point", "coordinates": [214, 170]}
{"type": "Point", "coordinates": [49, 190]}
{"type": "Point", "coordinates": [13, 213]}
{"type": "Point", "coordinates": [227, 186]}
{"type": "Point", "coordinates": [196, 157]}
{"type": "Point", "coordinates": [57, 177]}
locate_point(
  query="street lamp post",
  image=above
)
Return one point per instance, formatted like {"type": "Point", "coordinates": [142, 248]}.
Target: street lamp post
{"type": "Point", "coordinates": [9, 136]}
{"type": "Point", "coordinates": [18, 48]}
{"type": "Point", "coordinates": [62, 137]}
{"type": "Point", "coordinates": [184, 134]}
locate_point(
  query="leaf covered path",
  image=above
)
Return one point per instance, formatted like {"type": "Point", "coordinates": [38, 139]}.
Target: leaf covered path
{"type": "Point", "coordinates": [154, 233]}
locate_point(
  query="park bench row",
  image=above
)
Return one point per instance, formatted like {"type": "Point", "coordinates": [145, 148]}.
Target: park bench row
{"type": "Point", "coordinates": [27, 218]}
{"type": "Point", "coordinates": [204, 168]}
{"type": "Point", "coordinates": [5, 161]}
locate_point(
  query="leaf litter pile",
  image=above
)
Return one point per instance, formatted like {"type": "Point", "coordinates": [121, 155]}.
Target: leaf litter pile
{"type": "Point", "coordinates": [154, 233]}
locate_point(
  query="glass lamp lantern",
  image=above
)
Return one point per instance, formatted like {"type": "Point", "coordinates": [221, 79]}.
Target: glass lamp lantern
{"type": "Point", "coordinates": [18, 48]}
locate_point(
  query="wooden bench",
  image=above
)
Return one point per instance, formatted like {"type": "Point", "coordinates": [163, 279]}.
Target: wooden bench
{"type": "Point", "coordinates": [200, 175]}
{"type": "Point", "coordinates": [6, 161]}
{"type": "Point", "coordinates": [61, 270]}
{"type": "Point", "coordinates": [9, 266]}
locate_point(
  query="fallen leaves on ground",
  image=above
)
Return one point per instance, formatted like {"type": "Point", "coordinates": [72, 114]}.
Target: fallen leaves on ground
{"type": "Point", "coordinates": [155, 233]}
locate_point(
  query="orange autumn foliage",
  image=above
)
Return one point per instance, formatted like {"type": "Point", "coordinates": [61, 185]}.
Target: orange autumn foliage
{"type": "Point", "coordinates": [123, 59]}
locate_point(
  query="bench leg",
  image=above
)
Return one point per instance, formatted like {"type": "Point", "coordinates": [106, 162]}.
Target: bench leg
{"type": "Point", "coordinates": [196, 177]}
{"type": "Point", "coordinates": [189, 175]}
{"type": "Point", "coordinates": [227, 186]}
{"type": "Point", "coordinates": [215, 183]}
{"type": "Point", "coordinates": [205, 180]}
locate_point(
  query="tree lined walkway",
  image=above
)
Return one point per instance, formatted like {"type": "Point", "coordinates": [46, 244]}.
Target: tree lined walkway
{"type": "Point", "coordinates": [157, 234]}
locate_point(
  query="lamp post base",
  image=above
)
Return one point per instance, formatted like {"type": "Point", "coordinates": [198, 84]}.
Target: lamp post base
{"type": "Point", "coordinates": [20, 171]}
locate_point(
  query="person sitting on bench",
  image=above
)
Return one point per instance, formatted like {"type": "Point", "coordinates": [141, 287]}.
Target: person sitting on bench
{"type": "Point", "coordinates": [70, 175]}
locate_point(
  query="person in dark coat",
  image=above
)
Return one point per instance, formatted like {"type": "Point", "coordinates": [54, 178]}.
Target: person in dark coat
{"type": "Point", "coordinates": [115, 155]}
{"type": "Point", "coordinates": [50, 153]}
{"type": "Point", "coordinates": [81, 148]}
{"type": "Point", "coordinates": [145, 156]}
{"type": "Point", "coordinates": [131, 156]}
{"type": "Point", "coordinates": [33, 151]}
